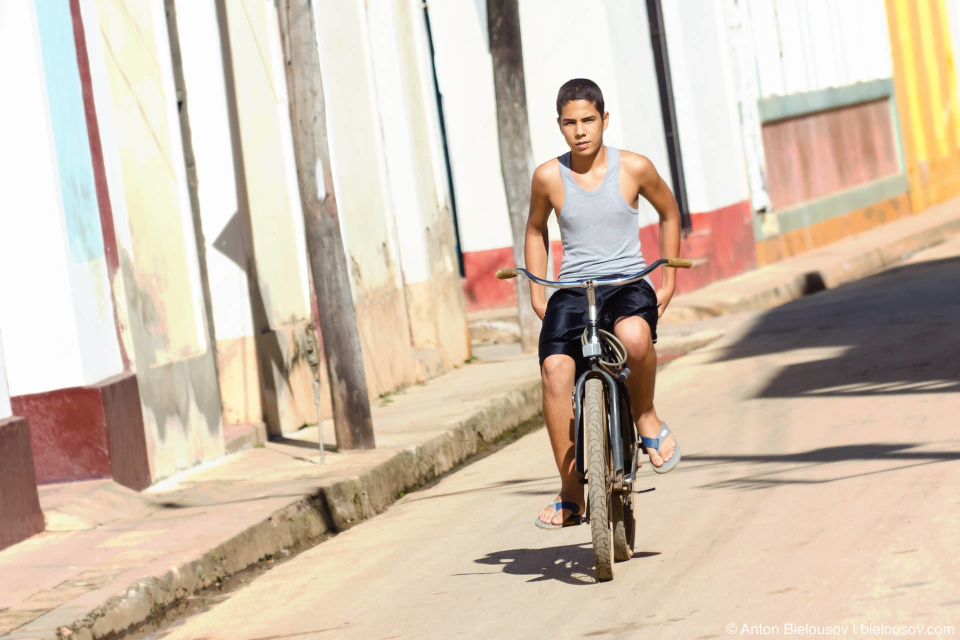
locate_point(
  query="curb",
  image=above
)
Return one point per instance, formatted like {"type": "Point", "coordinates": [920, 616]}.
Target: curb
{"type": "Point", "coordinates": [330, 509]}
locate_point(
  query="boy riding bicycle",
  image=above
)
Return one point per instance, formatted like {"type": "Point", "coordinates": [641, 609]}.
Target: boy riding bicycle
{"type": "Point", "coordinates": [595, 191]}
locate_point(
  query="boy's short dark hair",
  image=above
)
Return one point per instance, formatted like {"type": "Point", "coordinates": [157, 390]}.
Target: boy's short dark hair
{"type": "Point", "coordinates": [580, 89]}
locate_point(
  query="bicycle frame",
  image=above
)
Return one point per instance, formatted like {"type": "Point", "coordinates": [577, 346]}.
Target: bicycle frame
{"type": "Point", "coordinates": [591, 352]}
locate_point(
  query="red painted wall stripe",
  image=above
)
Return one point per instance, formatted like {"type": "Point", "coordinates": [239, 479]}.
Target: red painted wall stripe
{"type": "Point", "coordinates": [721, 242]}
{"type": "Point", "coordinates": [99, 171]}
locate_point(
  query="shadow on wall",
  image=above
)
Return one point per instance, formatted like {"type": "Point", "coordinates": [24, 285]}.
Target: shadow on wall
{"type": "Point", "coordinates": [236, 244]}
{"type": "Point", "coordinates": [168, 389]}
{"type": "Point", "coordinates": [899, 329]}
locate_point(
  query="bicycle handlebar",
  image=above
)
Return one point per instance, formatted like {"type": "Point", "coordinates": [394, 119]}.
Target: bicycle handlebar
{"type": "Point", "coordinates": [679, 263]}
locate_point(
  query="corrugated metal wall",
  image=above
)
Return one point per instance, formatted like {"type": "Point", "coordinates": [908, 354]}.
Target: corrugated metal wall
{"type": "Point", "coordinates": [806, 45]}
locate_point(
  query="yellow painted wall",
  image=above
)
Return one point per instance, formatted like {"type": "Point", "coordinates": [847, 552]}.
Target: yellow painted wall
{"type": "Point", "coordinates": [926, 89]}
{"type": "Point", "coordinates": [157, 287]}
{"type": "Point", "coordinates": [153, 194]}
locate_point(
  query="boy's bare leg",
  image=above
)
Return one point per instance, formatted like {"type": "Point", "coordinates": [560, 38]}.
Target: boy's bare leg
{"type": "Point", "coordinates": [558, 374]}
{"type": "Point", "coordinates": [635, 335]}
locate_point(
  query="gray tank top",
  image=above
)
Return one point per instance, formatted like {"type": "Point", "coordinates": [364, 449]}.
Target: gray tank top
{"type": "Point", "coordinates": [599, 231]}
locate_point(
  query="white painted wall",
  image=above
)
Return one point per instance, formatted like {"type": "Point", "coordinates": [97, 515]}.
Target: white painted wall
{"type": "Point", "coordinates": [465, 76]}
{"type": "Point", "coordinates": [398, 142]}
{"type": "Point", "coordinates": [619, 60]}
{"type": "Point", "coordinates": [747, 91]}
{"type": "Point", "coordinates": [706, 104]}
{"type": "Point", "coordinates": [425, 71]}
{"type": "Point", "coordinates": [806, 45]}
{"type": "Point", "coordinates": [5, 410]}
{"type": "Point", "coordinates": [53, 310]}
{"type": "Point", "coordinates": [356, 146]}
{"type": "Point", "coordinates": [213, 149]}
{"type": "Point", "coordinates": [286, 143]}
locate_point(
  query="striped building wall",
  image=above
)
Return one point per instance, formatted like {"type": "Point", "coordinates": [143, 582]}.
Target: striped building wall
{"type": "Point", "coordinates": [64, 360]}
{"type": "Point", "coordinates": [156, 284]}
{"type": "Point", "coordinates": [922, 37]}
{"type": "Point", "coordinates": [821, 130]}
{"type": "Point", "coordinates": [111, 367]}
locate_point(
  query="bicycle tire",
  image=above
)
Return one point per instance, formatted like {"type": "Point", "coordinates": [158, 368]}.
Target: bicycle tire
{"type": "Point", "coordinates": [598, 471]}
{"type": "Point", "coordinates": [624, 526]}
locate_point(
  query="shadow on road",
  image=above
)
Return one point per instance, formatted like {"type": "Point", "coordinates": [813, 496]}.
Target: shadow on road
{"type": "Point", "coordinates": [804, 460]}
{"type": "Point", "coordinates": [898, 331]}
{"type": "Point", "coordinates": [494, 486]}
{"type": "Point", "coordinates": [570, 564]}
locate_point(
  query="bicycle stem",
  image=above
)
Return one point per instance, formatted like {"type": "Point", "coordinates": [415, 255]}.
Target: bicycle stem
{"type": "Point", "coordinates": [592, 348]}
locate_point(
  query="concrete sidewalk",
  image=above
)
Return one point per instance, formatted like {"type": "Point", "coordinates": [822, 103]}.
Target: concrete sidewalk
{"type": "Point", "coordinates": [112, 557]}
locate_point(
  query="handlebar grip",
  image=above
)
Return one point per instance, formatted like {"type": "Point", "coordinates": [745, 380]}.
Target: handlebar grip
{"type": "Point", "coordinates": [679, 263]}
{"type": "Point", "coordinates": [505, 274]}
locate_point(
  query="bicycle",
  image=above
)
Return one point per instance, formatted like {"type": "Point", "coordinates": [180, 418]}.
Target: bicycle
{"type": "Point", "coordinates": [605, 434]}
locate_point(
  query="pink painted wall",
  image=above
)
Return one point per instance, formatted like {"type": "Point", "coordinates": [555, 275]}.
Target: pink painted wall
{"type": "Point", "coordinates": [812, 156]}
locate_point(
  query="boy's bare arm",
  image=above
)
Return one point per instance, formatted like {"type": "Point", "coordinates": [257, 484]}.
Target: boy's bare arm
{"type": "Point", "coordinates": [658, 194]}
{"type": "Point", "coordinates": [537, 240]}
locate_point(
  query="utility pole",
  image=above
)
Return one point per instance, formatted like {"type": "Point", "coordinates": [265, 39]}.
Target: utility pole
{"type": "Point", "coordinates": [516, 152]}
{"type": "Point", "coordinates": [328, 262]}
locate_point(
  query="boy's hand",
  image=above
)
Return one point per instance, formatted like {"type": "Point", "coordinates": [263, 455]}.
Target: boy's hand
{"type": "Point", "coordinates": [664, 294]}
{"type": "Point", "coordinates": [540, 309]}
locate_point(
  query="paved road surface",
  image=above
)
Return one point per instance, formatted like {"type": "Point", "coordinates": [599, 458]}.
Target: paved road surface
{"type": "Point", "coordinates": [820, 486]}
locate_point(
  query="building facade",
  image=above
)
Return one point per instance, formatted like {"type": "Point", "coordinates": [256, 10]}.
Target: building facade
{"type": "Point", "coordinates": [799, 122]}
{"type": "Point", "coordinates": [155, 296]}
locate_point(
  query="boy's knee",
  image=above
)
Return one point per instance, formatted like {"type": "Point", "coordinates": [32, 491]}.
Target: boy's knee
{"type": "Point", "coordinates": [557, 373]}
{"type": "Point", "coordinates": [634, 333]}
{"type": "Point", "coordinates": [638, 345]}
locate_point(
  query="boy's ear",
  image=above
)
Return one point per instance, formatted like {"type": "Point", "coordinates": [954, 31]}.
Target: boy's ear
{"type": "Point", "coordinates": [606, 119]}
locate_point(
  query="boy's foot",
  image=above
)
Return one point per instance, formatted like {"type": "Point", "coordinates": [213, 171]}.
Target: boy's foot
{"type": "Point", "coordinates": [649, 427]}
{"type": "Point", "coordinates": [551, 515]}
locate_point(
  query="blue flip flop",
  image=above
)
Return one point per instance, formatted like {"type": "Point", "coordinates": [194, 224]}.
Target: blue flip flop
{"type": "Point", "coordinates": [572, 520]}
{"type": "Point", "coordinates": [654, 443]}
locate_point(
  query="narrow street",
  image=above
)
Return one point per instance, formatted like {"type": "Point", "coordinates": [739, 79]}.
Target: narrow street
{"type": "Point", "coordinates": [819, 486]}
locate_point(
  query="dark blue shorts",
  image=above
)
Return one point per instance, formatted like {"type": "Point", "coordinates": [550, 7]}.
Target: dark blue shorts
{"type": "Point", "coordinates": [567, 316]}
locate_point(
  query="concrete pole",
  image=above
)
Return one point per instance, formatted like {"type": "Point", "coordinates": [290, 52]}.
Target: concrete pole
{"type": "Point", "coordinates": [516, 152]}
{"type": "Point", "coordinates": [328, 261]}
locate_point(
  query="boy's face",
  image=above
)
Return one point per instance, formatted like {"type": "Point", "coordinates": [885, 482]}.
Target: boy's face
{"type": "Point", "coordinates": [582, 126]}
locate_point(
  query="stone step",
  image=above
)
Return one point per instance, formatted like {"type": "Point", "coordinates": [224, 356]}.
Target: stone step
{"type": "Point", "coordinates": [237, 437]}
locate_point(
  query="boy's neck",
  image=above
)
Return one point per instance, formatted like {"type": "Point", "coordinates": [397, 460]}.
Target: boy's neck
{"type": "Point", "coordinates": [585, 164]}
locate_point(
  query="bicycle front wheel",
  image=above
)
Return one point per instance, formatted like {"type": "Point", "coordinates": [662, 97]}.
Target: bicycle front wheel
{"type": "Point", "coordinates": [598, 474]}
